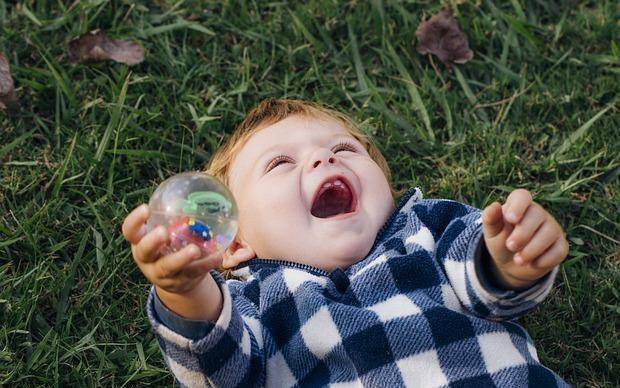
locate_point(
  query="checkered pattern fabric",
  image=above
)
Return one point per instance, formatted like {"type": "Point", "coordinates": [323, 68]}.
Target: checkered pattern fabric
{"type": "Point", "coordinates": [416, 312]}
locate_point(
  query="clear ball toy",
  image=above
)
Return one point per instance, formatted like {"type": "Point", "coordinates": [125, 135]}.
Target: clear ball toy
{"type": "Point", "coordinates": [196, 209]}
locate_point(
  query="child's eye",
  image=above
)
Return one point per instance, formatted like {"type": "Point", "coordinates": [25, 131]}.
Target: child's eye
{"type": "Point", "coordinates": [275, 162]}
{"type": "Point", "coordinates": [345, 146]}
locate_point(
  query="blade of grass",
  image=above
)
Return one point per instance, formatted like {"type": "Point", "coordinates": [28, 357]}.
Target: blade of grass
{"type": "Point", "coordinates": [518, 9]}
{"type": "Point", "coordinates": [327, 39]}
{"type": "Point", "coordinates": [6, 243]}
{"type": "Point", "coordinates": [416, 99]}
{"type": "Point", "coordinates": [63, 298]}
{"type": "Point", "coordinates": [503, 69]}
{"type": "Point", "coordinates": [471, 97]}
{"type": "Point", "coordinates": [378, 12]}
{"type": "Point", "coordinates": [440, 97]}
{"type": "Point", "coordinates": [357, 60]}
{"type": "Point", "coordinates": [114, 120]}
{"type": "Point", "coordinates": [60, 174]}
{"type": "Point", "coordinates": [576, 135]}
{"type": "Point", "coordinates": [304, 31]}
{"type": "Point", "coordinates": [181, 24]}
{"type": "Point", "coordinates": [10, 146]}
{"type": "Point", "coordinates": [40, 351]}
{"type": "Point", "coordinates": [140, 154]}
{"type": "Point", "coordinates": [26, 11]}
{"type": "Point", "coordinates": [521, 28]}
{"type": "Point", "coordinates": [61, 81]}
{"type": "Point", "coordinates": [122, 125]}
{"type": "Point", "coordinates": [98, 249]}
{"type": "Point", "coordinates": [394, 117]}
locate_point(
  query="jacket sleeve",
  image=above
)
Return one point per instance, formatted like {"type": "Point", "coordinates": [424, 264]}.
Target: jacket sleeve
{"type": "Point", "coordinates": [225, 353]}
{"type": "Point", "coordinates": [459, 244]}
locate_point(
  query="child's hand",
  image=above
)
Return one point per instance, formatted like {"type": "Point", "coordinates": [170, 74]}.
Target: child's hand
{"type": "Point", "coordinates": [178, 272]}
{"type": "Point", "coordinates": [524, 240]}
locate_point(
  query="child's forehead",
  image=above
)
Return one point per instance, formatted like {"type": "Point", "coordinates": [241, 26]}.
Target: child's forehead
{"type": "Point", "coordinates": [294, 130]}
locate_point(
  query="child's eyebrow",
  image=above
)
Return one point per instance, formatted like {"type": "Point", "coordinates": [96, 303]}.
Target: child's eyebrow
{"type": "Point", "coordinates": [259, 164]}
{"type": "Point", "coordinates": [274, 148]}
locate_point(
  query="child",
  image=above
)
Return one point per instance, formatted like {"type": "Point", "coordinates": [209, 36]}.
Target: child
{"type": "Point", "coordinates": [338, 285]}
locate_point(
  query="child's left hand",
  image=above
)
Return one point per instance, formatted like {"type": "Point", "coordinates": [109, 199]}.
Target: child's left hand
{"type": "Point", "coordinates": [523, 239]}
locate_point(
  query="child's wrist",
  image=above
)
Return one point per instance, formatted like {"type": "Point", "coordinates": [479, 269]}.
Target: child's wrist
{"type": "Point", "coordinates": [500, 277]}
{"type": "Point", "coordinates": [203, 302]}
{"type": "Point", "coordinates": [504, 280]}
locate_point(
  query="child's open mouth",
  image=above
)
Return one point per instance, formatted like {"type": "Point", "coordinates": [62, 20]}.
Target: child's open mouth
{"type": "Point", "coordinates": [333, 197]}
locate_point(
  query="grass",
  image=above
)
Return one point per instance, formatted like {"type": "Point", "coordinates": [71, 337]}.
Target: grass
{"type": "Point", "coordinates": [537, 107]}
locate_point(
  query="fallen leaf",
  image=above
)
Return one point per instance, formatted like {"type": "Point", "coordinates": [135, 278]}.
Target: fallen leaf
{"type": "Point", "coordinates": [441, 35]}
{"type": "Point", "coordinates": [95, 46]}
{"type": "Point", "coordinates": [8, 101]}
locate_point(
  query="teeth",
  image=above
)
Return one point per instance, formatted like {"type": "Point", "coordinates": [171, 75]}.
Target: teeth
{"type": "Point", "coordinates": [337, 183]}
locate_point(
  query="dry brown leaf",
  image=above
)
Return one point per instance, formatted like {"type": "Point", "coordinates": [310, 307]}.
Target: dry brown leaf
{"type": "Point", "coordinates": [8, 101]}
{"type": "Point", "coordinates": [95, 46]}
{"type": "Point", "coordinates": [441, 35]}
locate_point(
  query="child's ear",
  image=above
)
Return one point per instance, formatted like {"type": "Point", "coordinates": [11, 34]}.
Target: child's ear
{"type": "Point", "coordinates": [238, 252]}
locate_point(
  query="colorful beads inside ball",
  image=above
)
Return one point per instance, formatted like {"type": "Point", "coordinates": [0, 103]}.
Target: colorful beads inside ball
{"type": "Point", "coordinates": [196, 209]}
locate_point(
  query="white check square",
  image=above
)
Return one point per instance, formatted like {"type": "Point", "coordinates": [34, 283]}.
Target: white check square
{"type": "Point", "coordinates": [499, 352]}
{"type": "Point", "coordinates": [422, 370]}
{"type": "Point", "coordinates": [320, 333]}
{"type": "Point", "coordinates": [395, 307]}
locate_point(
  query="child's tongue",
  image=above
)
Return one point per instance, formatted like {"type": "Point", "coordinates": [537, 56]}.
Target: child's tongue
{"type": "Point", "coordinates": [333, 201]}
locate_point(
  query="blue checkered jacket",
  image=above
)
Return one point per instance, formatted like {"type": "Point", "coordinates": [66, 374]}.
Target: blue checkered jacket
{"type": "Point", "coordinates": [416, 312]}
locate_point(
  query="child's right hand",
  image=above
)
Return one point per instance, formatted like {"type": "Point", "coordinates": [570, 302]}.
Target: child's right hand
{"type": "Point", "coordinates": [178, 272]}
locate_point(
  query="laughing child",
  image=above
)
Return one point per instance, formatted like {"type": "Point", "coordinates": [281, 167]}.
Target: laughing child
{"type": "Point", "coordinates": [335, 284]}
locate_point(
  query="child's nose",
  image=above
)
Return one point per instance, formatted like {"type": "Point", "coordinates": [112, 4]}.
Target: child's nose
{"type": "Point", "coordinates": [322, 156]}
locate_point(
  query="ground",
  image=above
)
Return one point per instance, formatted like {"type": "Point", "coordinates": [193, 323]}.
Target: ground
{"type": "Point", "coordinates": [537, 107]}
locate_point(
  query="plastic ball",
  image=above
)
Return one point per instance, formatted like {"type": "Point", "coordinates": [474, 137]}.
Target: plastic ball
{"type": "Point", "coordinates": [196, 209]}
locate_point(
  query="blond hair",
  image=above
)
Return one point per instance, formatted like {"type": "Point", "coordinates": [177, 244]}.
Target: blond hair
{"type": "Point", "coordinates": [271, 111]}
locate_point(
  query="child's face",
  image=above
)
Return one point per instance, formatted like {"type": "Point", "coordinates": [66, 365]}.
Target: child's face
{"type": "Point", "coordinates": [276, 178]}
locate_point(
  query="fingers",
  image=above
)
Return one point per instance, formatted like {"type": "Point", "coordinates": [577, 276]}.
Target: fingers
{"type": "Point", "coordinates": [492, 220]}
{"type": "Point", "coordinates": [524, 230]}
{"type": "Point", "coordinates": [148, 249]}
{"type": "Point", "coordinates": [495, 233]}
{"type": "Point", "coordinates": [133, 226]}
{"type": "Point", "coordinates": [553, 256]}
{"type": "Point", "coordinates": [516, 204]}
{"type": "Point", "coordinates": [168, 266]}
{"type": "Point", "coordinates": [204, 264]}
{"type": "Point", "coordinates": [545, 236]}
{"type": "Point", "coordinates": [524, 227]}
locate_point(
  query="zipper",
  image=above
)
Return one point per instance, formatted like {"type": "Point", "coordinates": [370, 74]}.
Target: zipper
{"type": "Point", "coordinates": [277, 262]}
{"type": "Point", "coordinates": [399, 205]}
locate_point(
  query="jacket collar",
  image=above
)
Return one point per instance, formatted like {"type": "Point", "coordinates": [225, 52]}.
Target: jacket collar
{"type": "Point", "coordinates": [251, 268]}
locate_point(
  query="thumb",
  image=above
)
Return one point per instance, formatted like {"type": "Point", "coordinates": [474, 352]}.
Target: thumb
{"type": "Point", "coordinates": [496, 231]}
{"type": "Point", "coordinates": [492, 220]}
{"type": "Point", "coordinates": [206, 263]}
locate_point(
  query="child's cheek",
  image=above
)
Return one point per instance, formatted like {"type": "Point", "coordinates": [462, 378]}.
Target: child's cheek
{"type": "Point", "coordinates": [262, 207]}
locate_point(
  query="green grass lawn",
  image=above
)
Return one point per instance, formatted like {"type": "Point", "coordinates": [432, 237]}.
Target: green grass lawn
{"type": "Point", "coordinates": [538, 107]}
